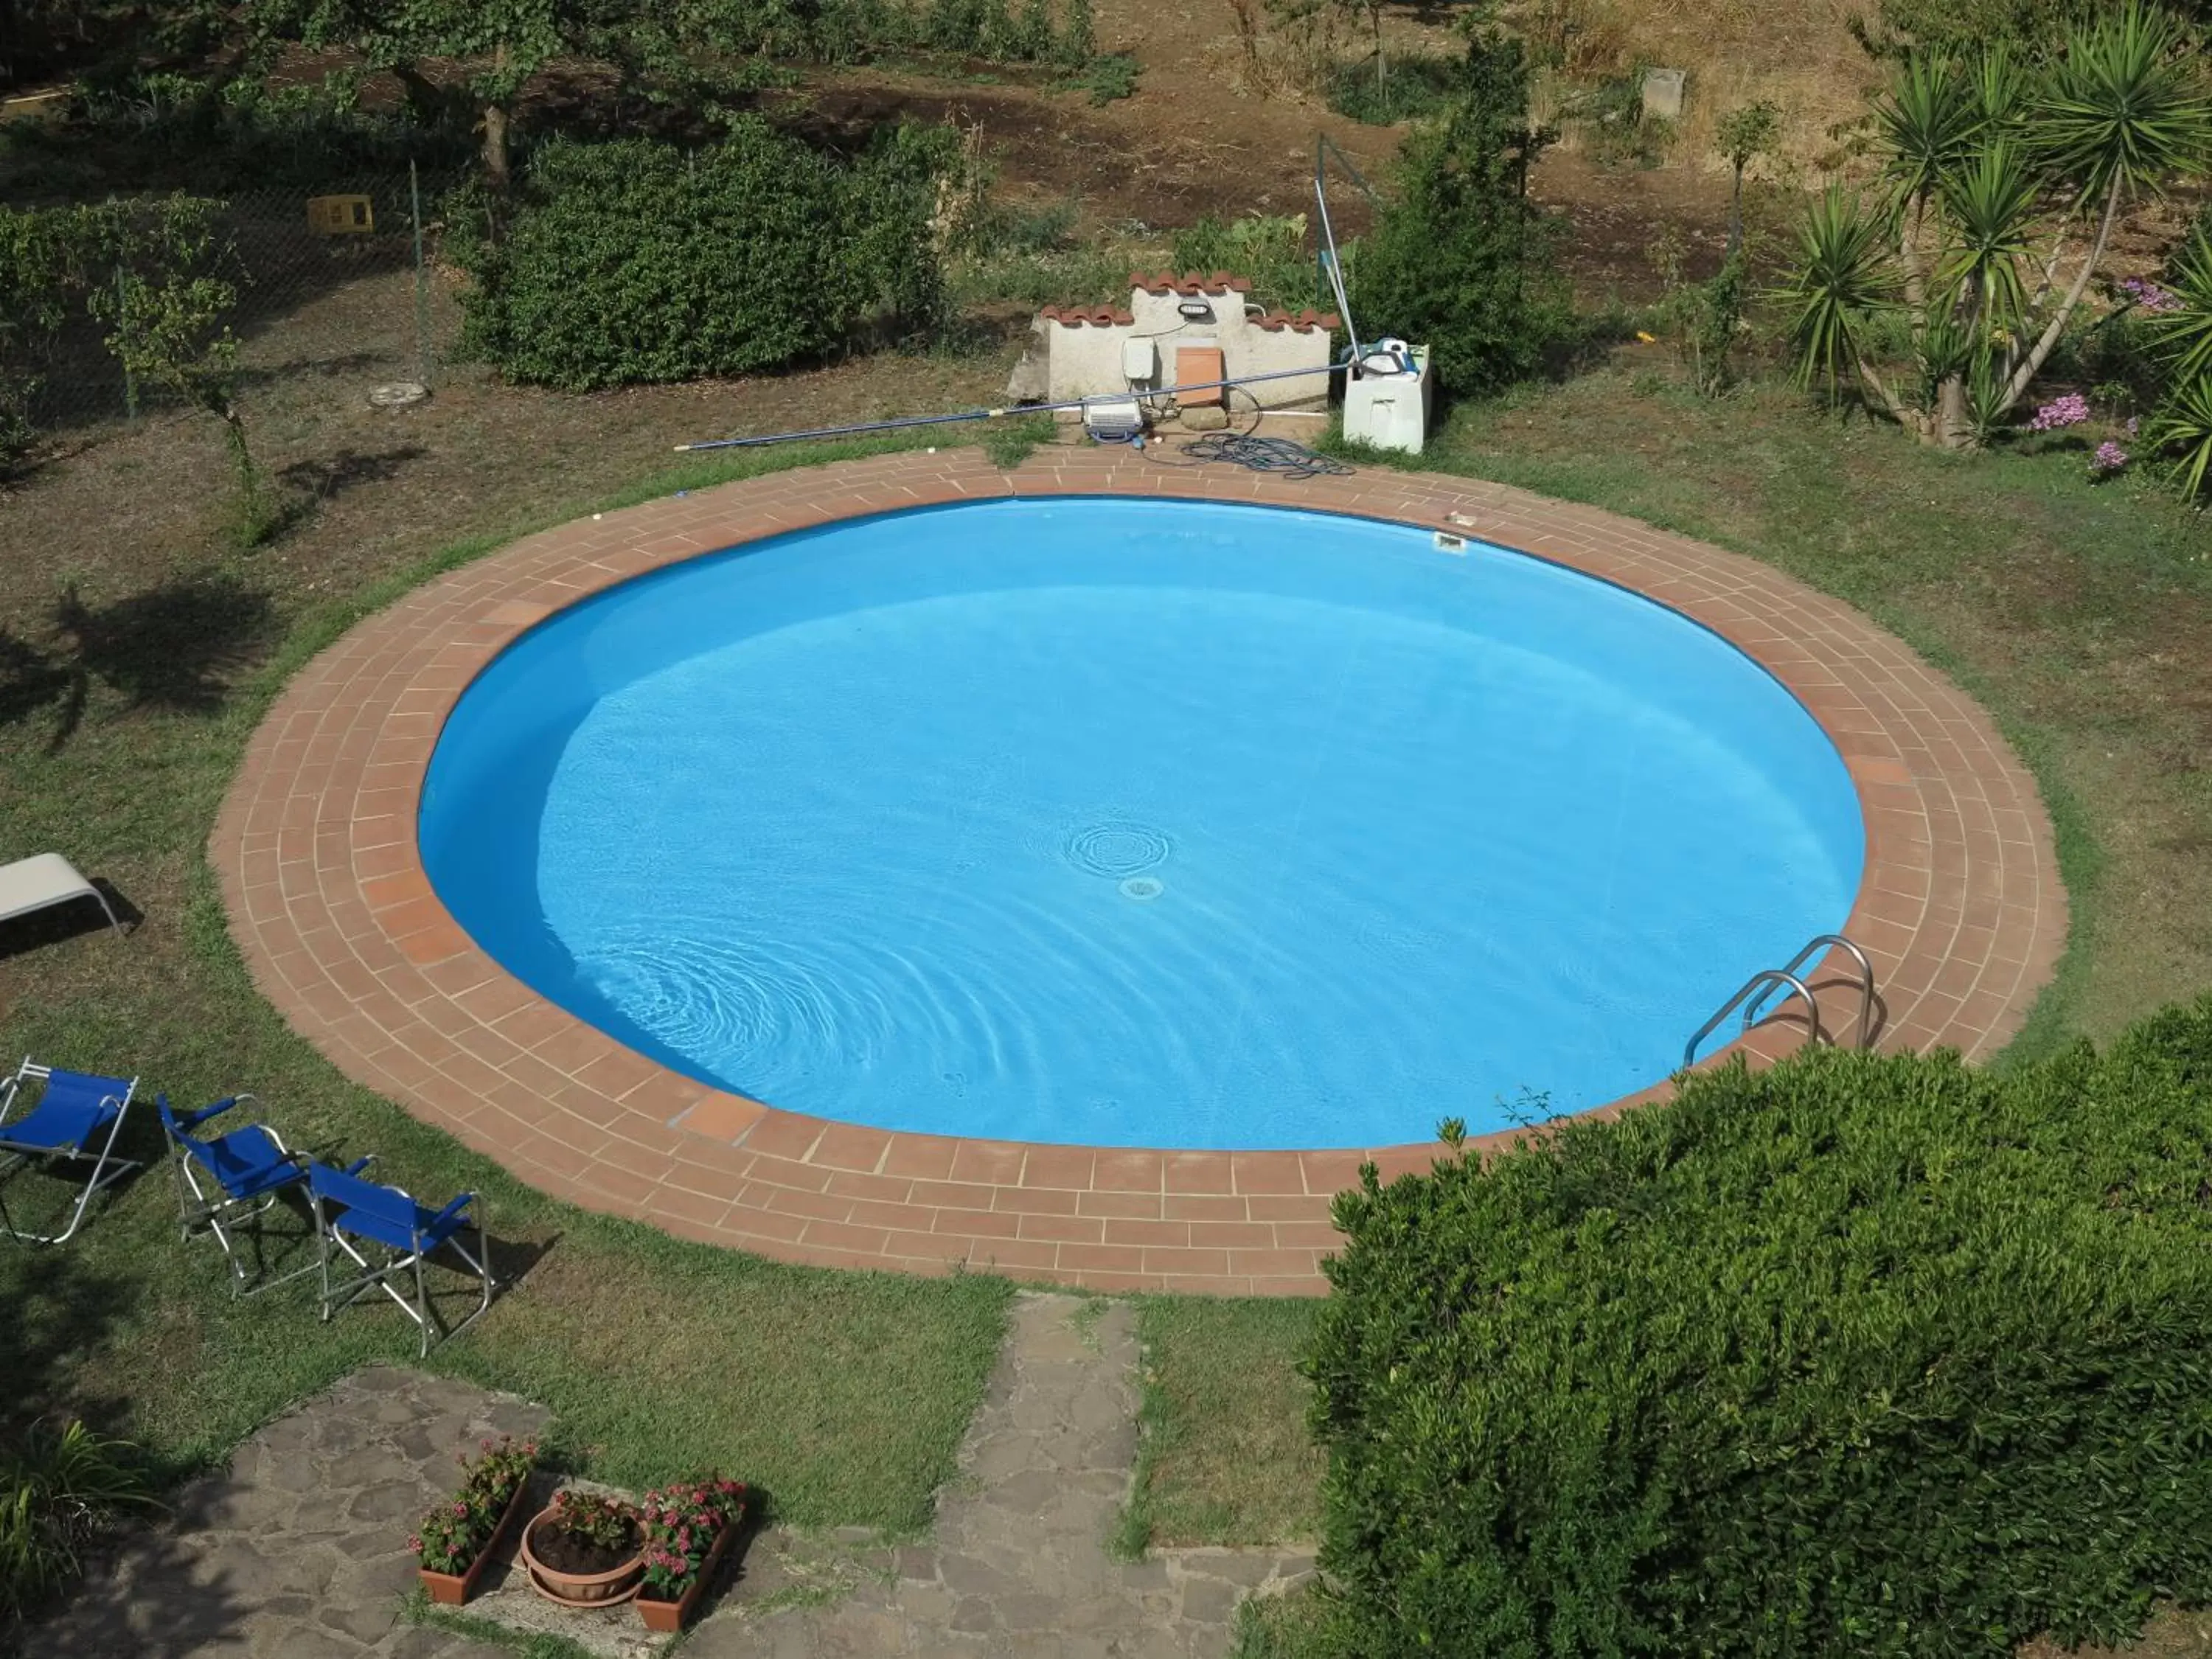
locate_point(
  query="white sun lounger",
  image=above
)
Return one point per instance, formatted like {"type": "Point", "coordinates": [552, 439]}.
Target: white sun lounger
{"type": "Point", "coordinates": [37, 883]}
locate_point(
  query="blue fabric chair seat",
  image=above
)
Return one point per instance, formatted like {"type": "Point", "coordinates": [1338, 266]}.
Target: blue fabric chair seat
{"type": "Point", "coordinates": [248, 1161]}
{"type": "Point", "coordinates": [78, 1117]}
{"type": "Point", "coordinates": [75, 1107]}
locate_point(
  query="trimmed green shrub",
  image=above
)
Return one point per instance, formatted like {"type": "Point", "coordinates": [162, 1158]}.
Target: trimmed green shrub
{"type": "Point", "coordinates": [636, 261]}
{"type": "Point", "coordinates": [1462, 259]}
{"type": "Point", "coordinates": [1876, 1356]}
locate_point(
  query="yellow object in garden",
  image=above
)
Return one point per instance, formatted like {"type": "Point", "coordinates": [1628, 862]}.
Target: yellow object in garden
{"type": "Point", "coordinates": [1648, 339]}
{"type": "Point", "coordinates": [340, 215]}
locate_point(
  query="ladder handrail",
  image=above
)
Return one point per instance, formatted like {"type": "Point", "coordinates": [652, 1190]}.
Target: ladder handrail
{"type": "Point", "coordinates": [1765, 979]}
{"type": "Point", "coordinates": [1841, 942]}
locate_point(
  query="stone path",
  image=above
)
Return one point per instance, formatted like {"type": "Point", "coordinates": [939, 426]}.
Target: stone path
{"type": "Point", "coordinates": [1018, 1564]}
{"type": "Point", "coordinates": [299, 1550]}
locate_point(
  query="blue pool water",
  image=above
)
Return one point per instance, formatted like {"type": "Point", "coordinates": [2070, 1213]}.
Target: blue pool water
{"type": "Point", "coordinates": [1137, 824]}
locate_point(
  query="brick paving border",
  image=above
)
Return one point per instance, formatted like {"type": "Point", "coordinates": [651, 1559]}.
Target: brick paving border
{"type": "Point", "coordinates": [1960, 906]}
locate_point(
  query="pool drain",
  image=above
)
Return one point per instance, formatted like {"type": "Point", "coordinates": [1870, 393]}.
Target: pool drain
{"type": "Point", "coordinates": [1143, 887]}
{"type": "Point", "coordinates": [1118, 849]}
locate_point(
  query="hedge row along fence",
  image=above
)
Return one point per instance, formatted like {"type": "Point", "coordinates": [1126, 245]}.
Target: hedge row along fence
{"type": "Point", "coordinates": [1877, 1356]}
{"type": "Point", "coordinates": [638, 261]}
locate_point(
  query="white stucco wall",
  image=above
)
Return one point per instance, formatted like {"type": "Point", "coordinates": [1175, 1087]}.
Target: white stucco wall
{"type": "Point", "coordinates": [1083, 359]}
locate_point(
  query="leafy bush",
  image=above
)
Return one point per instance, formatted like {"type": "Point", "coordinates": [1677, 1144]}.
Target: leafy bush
{"type": "Point", "coordinates": [634, 261]}
{"type": "Point", "coordinates": [1419, 84]}
{"type": "Point", "coordinates": [1704, 320]}
{"type": "Point", "coordinates": [1107, 76]}
{"type": "Point", "coordinates": [1877, 1356]}
{"type": "Point", "coordinates": [1461, 258]}
{"type": "Point", "coordinates": [57, 1494]}
{"type": "Point", "coordinates": [1613, 129]}
{"type": "Point", "coordinates": [1270, 248]}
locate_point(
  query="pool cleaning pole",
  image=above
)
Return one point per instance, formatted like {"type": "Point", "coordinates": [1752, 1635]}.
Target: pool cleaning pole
{"type": "Point", "coordinates": [906, 421]}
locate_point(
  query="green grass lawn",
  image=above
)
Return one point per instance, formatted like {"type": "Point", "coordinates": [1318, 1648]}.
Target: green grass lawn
{"type": "Point", "coordinates": [841, 1396]}
{"type": "Point", "coordinates": [2080, 615]}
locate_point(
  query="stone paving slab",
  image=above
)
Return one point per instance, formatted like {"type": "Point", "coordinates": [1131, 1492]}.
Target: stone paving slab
{"type": "Point", "coordinates": [298, 1549]}
{"type": "Point", "coordinates": [1018, 1564]}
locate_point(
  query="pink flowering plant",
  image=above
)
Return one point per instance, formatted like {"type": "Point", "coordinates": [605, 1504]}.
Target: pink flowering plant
{"type": "Point", "coordinates": [681, 1525]}
{"type": "Point", "coordinates": [2071, 410]}
{"type": "Point", "coordinates": [454, 1534]}
{"type": "Point", "coordinates": [2109, 459]}
{"type": "Point", "coordinates": [2147, 294]}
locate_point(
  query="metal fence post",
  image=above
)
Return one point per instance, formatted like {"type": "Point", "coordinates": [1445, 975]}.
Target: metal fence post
{"type": "Point", "coordinates": [421, 289]}
{"type": "Point", "coordinates": [129, 379]}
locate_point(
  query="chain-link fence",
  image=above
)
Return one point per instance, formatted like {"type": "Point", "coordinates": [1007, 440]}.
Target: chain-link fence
{"type": "Point", "coordinates": [341, 279]}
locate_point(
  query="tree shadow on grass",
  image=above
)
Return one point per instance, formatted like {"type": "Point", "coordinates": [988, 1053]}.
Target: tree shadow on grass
{"type": "Point", "coordinates": [176, 647]}
{"type": "Point", "coordinates": [57, 1311]}
{"type": "Point", "coordinates": [321, 480]}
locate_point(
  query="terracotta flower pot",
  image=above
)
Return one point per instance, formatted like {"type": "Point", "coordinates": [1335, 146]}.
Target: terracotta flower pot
{"type": "Point", "coordinates": [453, 1589]}
{"type": "Point", "coordinates": [673, 1615]}
{"type": "Point", "coordinates": [578, 1589]}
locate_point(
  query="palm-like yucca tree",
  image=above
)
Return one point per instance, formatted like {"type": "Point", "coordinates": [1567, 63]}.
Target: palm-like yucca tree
{"type": "Point", "coordinates": [2183, 427]}
{"type": "Point", "coordinates": [2184, 430]}
{"type": "Point", "coordinates": [1982, 160]}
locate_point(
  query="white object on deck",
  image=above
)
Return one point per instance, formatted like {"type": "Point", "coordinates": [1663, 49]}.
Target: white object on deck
{"type": "Point", "coordinates": [37, 883]}
{"type": "Point", "coordinates": [1386, 397]}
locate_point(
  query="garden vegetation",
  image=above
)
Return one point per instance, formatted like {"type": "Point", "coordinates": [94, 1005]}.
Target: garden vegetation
{"type": "Point", "coordinates": [1883, 1356]}
{"type": "Point", "coordinates": [636, 261]}
{"type": "Point", "coordinates": [1989, 163]}
{"type": "Point", "coordinates": [1461, 257]}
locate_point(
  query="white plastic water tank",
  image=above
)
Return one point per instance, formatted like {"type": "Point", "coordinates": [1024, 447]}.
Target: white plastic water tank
{"type": "Point", "coordinates": [1386, 405]}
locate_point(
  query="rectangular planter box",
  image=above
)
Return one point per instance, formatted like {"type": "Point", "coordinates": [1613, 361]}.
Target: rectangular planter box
{"type": "Point", "coordinates": [454, 1589]}
{"type": "Point", "coordinates": [674, 1615]}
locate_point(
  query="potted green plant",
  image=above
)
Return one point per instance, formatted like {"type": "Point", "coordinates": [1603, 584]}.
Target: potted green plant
{"type": "Point", "coordinates": [584, 1550]}
{"type": "Point", "coordinates": [459, 1536]}
{"type": "Point", "coordinates": [689, 1529]}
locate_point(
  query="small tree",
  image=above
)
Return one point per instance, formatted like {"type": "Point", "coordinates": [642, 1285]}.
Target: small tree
{"type": "Point", "coordinates": [1744, 135]}
{"type": "Point", "coordinates": [1982, 159]}
{"type": "Point", "coordinates": [170, 326]}
{"type": "Point", "coordinates": [1460, 258]}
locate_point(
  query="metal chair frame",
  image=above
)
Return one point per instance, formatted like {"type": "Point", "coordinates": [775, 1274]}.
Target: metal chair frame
{"type": "Point", "coordinates": [221, 1213]}
{"type": "Point", "coordinates": [379, 1275]}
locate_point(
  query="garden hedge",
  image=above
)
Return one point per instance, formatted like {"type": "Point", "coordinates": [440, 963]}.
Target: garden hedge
{"type": "Point", "coordinates": [1876, 1356]}
{"type": "Point", "coordinates": [637, 261]}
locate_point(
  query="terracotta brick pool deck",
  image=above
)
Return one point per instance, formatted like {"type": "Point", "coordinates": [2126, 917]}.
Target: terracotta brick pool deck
{"type": "Point", "coordinates": [1960, 907]}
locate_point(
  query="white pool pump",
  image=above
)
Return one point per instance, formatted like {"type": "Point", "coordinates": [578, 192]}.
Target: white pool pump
{"type": "Point", "coordinates": [1386, 397]}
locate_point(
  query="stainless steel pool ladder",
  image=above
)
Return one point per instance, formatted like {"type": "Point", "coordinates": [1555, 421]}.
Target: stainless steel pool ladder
{"type": "Point", "coordinates": [1767, 981]}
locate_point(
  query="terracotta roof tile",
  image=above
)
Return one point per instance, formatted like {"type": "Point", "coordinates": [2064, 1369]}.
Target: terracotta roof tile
{"type": "Point", "coordinates": [1098, 316]}
{"type": "Point", "coordinates": [1303, 320]}
{"type": "Point", "coordinates": [1196, 283]}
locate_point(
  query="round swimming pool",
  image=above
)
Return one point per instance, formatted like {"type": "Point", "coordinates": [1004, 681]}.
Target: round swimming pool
{"type": "Point", "coordinates": [1139, 823]}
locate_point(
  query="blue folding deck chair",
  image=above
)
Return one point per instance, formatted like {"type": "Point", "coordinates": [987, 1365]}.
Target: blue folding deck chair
{"type": "Point", "coordinates": [78, 1120]}
{"type": "Point", "coordinates": [351, 1211]}
{"type": "Point", "coordinates": [228, 1183]}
